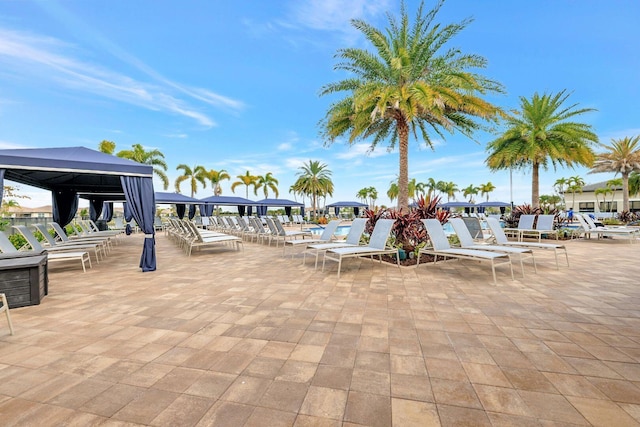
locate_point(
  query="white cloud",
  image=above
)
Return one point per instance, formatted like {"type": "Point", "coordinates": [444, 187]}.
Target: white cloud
{"type": "Point", "coordinates": [360, 150]}
{"type": "Point", "coordinates": [285, 146]}
{"type": "Point", "coordinates": [6, 145]}
{"type": "Point", "coordinates": [335, 15]}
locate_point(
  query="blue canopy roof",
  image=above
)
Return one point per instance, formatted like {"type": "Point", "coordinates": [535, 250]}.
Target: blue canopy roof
{"type": "Point", "coordinates": [277, 202]}
{"type": "Point", "coordinates": [348, 205]}
{"type": "Point", "coordinates": [228, 201]}
{"type": "Point", "coordinates": [178, 198]}
{"type": "Point", "coordinates": [494, 204]}
{"type": "Point", "coordinates": [457, 205]}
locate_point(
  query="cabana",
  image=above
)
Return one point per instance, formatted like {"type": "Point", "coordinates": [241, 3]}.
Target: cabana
{"type": "Point", "coordinates": [180, 201]}
{"type": "Point", "coordinates": [355, 205]}
{"type": "Point", "coordinates": [494, 204]}
{"type": "Point", "coordinates": [280, 203]}
{"type": "Point", "coordinates": [73, 172]}
{"type": "Point", "coordinates": [208, 203]}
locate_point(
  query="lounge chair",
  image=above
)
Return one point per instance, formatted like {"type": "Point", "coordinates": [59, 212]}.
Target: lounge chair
{"type": "Point", "coordinates": [325, 237]}
{"type": "Point", "coordinates": [62, 235]}
{"type": "Point", "coordinates": [466, 242]}
{"type": "Point", "coordinates": [591, 227]}
{"type": "Point", "coordinates": [98, 247]}
{"type": "Point", "coordinates": [54, 254]}
{"type": "Point", "coordinates": [279, 233]}
{"type": "Point", "coordinates": [544, 226]}
{"type": "Point", "coordinates": [353, 239]}
{"type": "Point", "coordinates": [377, 246]}
{"type": "Point", "coordinates": [501, 239]}
{"type": "Point", "coordinates": [440, 247]}
{"type": "Point", "coordinates": [525, 222]}
{"type": "Point", "coordinates": [198, 239]}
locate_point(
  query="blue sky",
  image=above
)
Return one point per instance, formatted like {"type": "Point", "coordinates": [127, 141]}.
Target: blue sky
{"type": "Point", "coordinates": [234, 85]}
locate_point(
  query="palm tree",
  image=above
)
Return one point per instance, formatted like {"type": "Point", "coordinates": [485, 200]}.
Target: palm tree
{"type": "Point", "coordinates": [266, 182]}
{"type": "Point", "coordinates": [314, 180]}
{"type": "Point", "coordinates": [623, 157]}
{"type": "Point", "coordinates": [432, 186]}
{"type": "Point", "coordinates": [373, 196]}
{"type": "Point", "coordinates": [409, 84]}
{"type": "Point", "coordinates": [604, 191]}
{"type": "Point", "coordinates": [574, 185]}
{"type": "Point", "coordinates": [470, 191]}
{"type": "Point", "coordinates": [421, 188]}
{"type": "Point", "coordinates": [195, 175]}
{"type": "Point", "coordinates": [486, 189]}
{"type": "Point", "coordinates": [613, 185]}
{"type": "Point", "coordinates": [393, 190]}
{"type": "Point", "coordinates": [247, 179]}
{"type": "Point", "coordinates": [108, 147]}
{"type": "Point", "coordinates": [153, 158]}
{"type": "Point", "coordinates": [560, 185]}
{"type": "Point", "coordinates": [216, 177]}
{"type": "Point", "coordinates": [541, 134]}
{"type": "Point", "coordinates": [450, 189]}
{"type": "Point", "coordinates": [634, 183]}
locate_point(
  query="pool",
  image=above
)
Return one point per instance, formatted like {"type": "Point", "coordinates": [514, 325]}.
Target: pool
{"type": "Point", "coordinates": [343, 230]}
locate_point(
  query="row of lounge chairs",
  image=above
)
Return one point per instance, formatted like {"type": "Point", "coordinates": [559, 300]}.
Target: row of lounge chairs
{"type": "Point", "coordinates": [589, 227]}
{"type": "Point", "coordinates": [187, 236]}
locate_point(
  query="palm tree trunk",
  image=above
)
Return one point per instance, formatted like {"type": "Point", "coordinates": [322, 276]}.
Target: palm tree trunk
{"type": "Point", "coordinates": [403, 176]}
{"type": "Point", "coordinates": [625, 192]}
{"type": "Point", "coordinates": [535, 186]}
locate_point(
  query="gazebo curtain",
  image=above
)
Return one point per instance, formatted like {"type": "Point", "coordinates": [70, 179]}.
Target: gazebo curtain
{"type": "Point", "coordinates": [192, 211]}
{"type": "Point", "coordinates": [249, 210]}
{"type": "Point", "coordinates": [107, 211]}
{"type": "Point", "coordinates": [1, 185]}
{"type": "Point", "coordinates": [356, 211]}
{"type": "Point", "coordinates": [241, 210]}
{"type": "Point", "coordinates": [287, 210]}
{"type": "Point", "coordinates": [95, 209]}
{"type": "Point", "coordinates": [128, 216]}
{"type": "Point", "coordinates": [64, 205]}
{"type": "Point", "coordinates": [139, 194]}
{"type": "Point", "coordinates": [180, 210]}
{"type": "Point", "coordinates": [336, 210]}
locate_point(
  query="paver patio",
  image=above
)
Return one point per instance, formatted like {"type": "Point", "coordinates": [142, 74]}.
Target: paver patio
{"type": "Point", "coordinates": [253, 338]}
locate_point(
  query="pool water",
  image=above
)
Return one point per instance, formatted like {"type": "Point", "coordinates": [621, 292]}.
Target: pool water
{"type": "Point", "coordinates": [343, 230]}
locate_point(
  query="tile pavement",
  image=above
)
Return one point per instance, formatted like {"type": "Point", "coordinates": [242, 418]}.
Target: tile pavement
{"type": "Point", "coordinates": [257, 339]}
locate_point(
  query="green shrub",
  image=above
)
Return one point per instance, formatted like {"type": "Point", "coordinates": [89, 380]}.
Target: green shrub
{"type": "Point", "coordinates": [18, 240]}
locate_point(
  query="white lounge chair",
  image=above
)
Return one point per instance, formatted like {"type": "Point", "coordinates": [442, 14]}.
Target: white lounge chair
{"type": "Point", "coordinates": [325, 237]}
{"type": "Point", "coordinates": [62, 235]}
{"type": "Point", "coordinates": [525, 222]}
{"type": "Point", "coordinates": [501, 239]}
{"type": "Point", "coordinates": [98, 247]}
{"type": "Point", "coordinates": [353, 239]}
{"type": "Point", "coordinates": [377, 246]}
{"type": "Point", "coordinates": [53, 254]}
{"type": "Point", "coordinates": [599, 231]}
{"type": "Point", "coordinates": [199, 239]}
{"type": "Point", "coordinates": [544, 226]}
{"type": "Point", "coordinates": [466, 242]}
{"type": "Point", "coordinates": [440, 247]}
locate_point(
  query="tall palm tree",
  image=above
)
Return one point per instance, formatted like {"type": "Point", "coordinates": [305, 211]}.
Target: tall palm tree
{"type": "Point", "coordinates": [450, 189]}
{"type": "Point", "coordinates": [541, 134]}
{"type": "Point", "coordinates": [409, 84]}
{"type": "Point", "coordinates": [574, 185]}
{"type": "Point", "coordinates": [373, 196]}
{"type": "Point", "coordinates": [604, 191]}
{"type": "Point", "coordinates": [247, 180]}
{"type": "Point", "coordinates": [560, 186]}
{"type": "Point", "coordinates": [195, 175]}
{"type": "Point", "coordinates": [470, 191]}
{"type": "Point", "coordinates": [363, 194]}
{"type": "Point", "coordinates": [266, 182]}
{"type": "Point", "coordinates": [634, 183]}
{"type": "Point", "coordinates": [153, 158]}
{"type": "Point", "coordinates": [216, 177]}
{"type": "Point", "coordinates": [314, 180]}
{"type": "Point", "coordinates": [486, 189]}
{"type": "Point", "coordinates": [393, 190]}
{"type": "Point", "coordinates": [421, 188]}
{"type": "Point", "coordinates": [108, 147]}
{"type": "Point", "coordinates": [613, 184]}
{"type": "Point", "coordinates": [623, 157]}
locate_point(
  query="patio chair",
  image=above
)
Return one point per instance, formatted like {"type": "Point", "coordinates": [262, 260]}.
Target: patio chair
{"type": "Point", "coordinates": [525, 222]}
{"type": "Point", "coordinates": [199, 239]}
{"type": "Point", "coordinates": [54, 254]}
{"type": "Point", "coordinates": [466, 242]}
{"type": "Point", "coordinates": [62, 235]}
{"type": "Point", "coordinates": [5, 308]}
{"type": "Point", "coordinates": [377, 246]}
{"type": "Point", "coordinates": [98, 247]}
{"type": "Point", "coordinates": [440, 247]}
{"type": "Point", "coordinates": [353, 239]}
{"type": "Point", "coordinates": [325, 236]}
{"type": "Point", "coordinates": [279, 233]}
{"type": "Point", "coordinates": [599, 231]}
{"type": "Point", "coordinates": [501, 239]}
{"type": "Point", "coordinates": [544, 226]}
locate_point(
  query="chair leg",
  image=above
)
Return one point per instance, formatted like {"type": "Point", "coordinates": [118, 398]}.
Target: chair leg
{"type": "Point", "coordinates": [5, 308]}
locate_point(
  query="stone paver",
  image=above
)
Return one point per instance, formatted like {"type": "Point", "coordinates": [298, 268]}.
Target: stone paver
{"type": "Point", "coordinates": [254, 338]}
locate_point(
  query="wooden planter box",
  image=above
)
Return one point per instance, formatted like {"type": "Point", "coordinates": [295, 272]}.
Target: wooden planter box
{"type": "Point", "coordinates": [24, 280]}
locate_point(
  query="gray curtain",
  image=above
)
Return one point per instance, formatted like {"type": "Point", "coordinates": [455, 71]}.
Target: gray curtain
{"type": "Point", "coordinates": [192, 211]}
{"type": "Point", "coordinates": [64, 205]}
{"type": "Point", "coordinates": [128, 216]}
{"type": "Point", "coordinates": [107, 211]}
{"type": "Point", "coordinates": [1, 185]}
{"type": "Point", "coordinates": [139, 194]}
{"type": "Point", "coordinates": [180, 210]}
{"type": "Point", "coordinates": [95, 209]}
{"type": "Point", "coordinates": [203, 210]}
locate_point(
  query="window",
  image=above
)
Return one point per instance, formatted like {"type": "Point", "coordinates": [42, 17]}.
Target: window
{"type": "Point", "coordinates": [634, 206]}
{"type": "Point", "coordinates": [608, 206]}
{"type": "Point", "coordinates": [586, 207]}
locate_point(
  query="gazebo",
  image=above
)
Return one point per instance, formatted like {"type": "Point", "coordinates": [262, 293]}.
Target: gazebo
{"type": "Point", "coordinates": [355, 205]}
{"type": "Point", "coordinates": [73, 172]}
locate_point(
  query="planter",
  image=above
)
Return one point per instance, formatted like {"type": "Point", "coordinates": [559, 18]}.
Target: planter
{"type": "Point", "coordinates": [24, 279]}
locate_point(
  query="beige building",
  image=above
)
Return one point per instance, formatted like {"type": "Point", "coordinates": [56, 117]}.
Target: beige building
{"type": "Point", "coordinates": [588, 202]}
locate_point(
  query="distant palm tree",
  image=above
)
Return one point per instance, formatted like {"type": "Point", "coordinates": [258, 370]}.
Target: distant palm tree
{"type": "Point", "coordinates": [410, 83]}
{"type": "Point", "coordinates": [604, 191]}
{"type": "Point", "coordinates": [634, 183]}
{"type": "Point", "coordinates": [216, 177]}
{"type": "Point", "coordinates": [314, 180]}
{"type": "Point", "coordinates": [560, 186]}
{"type": "Point", "coordinates": [623, 157]}
{"type": "Point", "coordinates": [613, 185]}
{"type": "Point", "coordinates": [195, 175]}
{"type": "Point", "coordinates": [108, 147]}
{"type": "Point", "coordinates": [450, 189]}
{"type": "Point", "coordinates": [247, 180]}
{"type": "Point", "coordinates": [470, 191]}
{"type": "Point", "coordinates": [266, 182]}
{"type": "Point", "coordinates": [541, 134]}
{"type": "Point", "coordinates": [153, 158]}
{"type": "Point", "coordinates": [393, 190]}
{"type": "Point", "coordinates": [574, 185]}
{"type": "Point", "coordinates": [486, 189]}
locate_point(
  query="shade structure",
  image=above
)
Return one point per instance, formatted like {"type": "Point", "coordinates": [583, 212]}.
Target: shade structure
{"type": "Point", "coordinates": [175, 198]}
{"type": "Point", "coordinates": [457, 205]}
{"type": "Point", "coordinates": [347, 205]}
{"type": "Point", "coordinates": [72, 172]}
{"type": "Point", "coordinates": [281, 203]}
{"type": "Point", "coordinates": [493, 204]}
{"type": "Point", "coordinates": [228, 201]}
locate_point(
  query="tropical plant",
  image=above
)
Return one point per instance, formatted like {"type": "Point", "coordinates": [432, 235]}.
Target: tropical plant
{"type": "Point", "coordinates": [194, 175]}
{"type": "Point", "coordinates": [216, 177]}
{"type": "Point", "coordinates": [613, 185]}
{"type": "Point", "coordinates": [470, 191]}
{"type": "Point", "coordinates": [623, 157]}
{"type": "Point", "coordinates": [314, 180]}
{"type": "Point", "coordinates": [541, 134]}
{"type": "Point", "coordinates": [449, 189]}
{"type": "Point", "coordinates": [574, 185]}
{"type": "Point", "coordinates": [108, 147]}
{"type": "Point", "coordinates": [368, 195]}
{"type": "Point", "coordinates": [604, 192]}
{"type": "Point", "coordinates": [152, 157]}
{"type": "Point", "coordinates": [247, 180]}
{"type": "Point", "coordinates": [266, 182]}
{"type": "Point", "coordinates": [560, 186]}
{"type": "Point", "coordinates": [409, 84]}
{"type": "Point", "coordinates": [486, 189]}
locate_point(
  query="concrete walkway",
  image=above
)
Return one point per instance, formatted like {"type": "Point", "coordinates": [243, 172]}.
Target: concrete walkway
{"type": "Point", "coordinates": [252, 338]}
